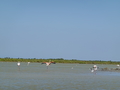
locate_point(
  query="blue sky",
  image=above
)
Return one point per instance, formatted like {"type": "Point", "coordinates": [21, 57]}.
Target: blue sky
{"type": "Point", "coordinates": [69, 29]}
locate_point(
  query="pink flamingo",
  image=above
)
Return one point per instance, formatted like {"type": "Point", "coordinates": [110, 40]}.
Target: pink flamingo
{"type": "Point", "coordinates": [48, 63]}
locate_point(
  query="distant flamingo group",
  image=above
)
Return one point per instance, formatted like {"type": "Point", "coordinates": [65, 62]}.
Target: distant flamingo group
{"type": "Point", "coordinates": [93, 69]}
{"type": "Point", "coordinates": [47, 64]}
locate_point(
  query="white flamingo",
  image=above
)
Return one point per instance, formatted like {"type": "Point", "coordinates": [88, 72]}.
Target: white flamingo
{"type": "Point", "coordinates": [28, 63]}
{"type": "Point", "coordinates": [18, 64]}
{"type": "Point", "coordinates": [118, 66]}
{"type": "Point", "coordinates": [94, 68]}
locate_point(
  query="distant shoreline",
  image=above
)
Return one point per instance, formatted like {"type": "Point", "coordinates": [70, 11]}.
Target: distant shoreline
{"type": "Point", "coordinates": [58, 60]}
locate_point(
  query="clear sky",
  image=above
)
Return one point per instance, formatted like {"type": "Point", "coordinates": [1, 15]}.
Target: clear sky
{"type": "Point", "coordinates": [69, 29]}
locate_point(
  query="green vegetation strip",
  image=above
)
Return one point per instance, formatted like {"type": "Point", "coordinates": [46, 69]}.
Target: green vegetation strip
{"type": "Point", "coordinates": [59, 60]}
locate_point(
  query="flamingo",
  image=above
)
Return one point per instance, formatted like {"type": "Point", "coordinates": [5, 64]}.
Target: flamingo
{"type": "Point", "coordinates": [118, 66]}
{"type": "Point", "coordinates": [94, 68]}
{"type": "Point", "coordinates": [18, 64]}
{"type": "Point", "coordinates": [48, 63]}
{"type": "Point", "coordinates": [28, 63]}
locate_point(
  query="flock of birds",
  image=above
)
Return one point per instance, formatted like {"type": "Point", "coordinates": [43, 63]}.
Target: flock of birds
{"type": "Point", "coordinates": [93, 69]}
{"type": "Point", "coordinates": [47, 64]}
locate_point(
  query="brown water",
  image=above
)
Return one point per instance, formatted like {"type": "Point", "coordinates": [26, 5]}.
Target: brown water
{"type": "Point", "coordinates": [57, 77]}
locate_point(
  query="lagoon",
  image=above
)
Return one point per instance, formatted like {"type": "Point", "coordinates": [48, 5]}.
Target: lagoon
{"type": "Point", "coordinates": [57, 77]}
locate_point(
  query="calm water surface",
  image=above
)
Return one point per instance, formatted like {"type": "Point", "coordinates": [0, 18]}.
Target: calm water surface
{"type": "Point", "coordinates": [57, 77]}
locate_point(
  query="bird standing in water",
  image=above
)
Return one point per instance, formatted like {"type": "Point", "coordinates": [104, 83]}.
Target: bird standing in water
{"type": "Point", "coordinates": [28, 63]}
{"type": "Point", "coordinates": [118, 66]}
{"type": "Point", "coordinates": [94, 68]}
{"type": "Point", "coordinates": [18, 64]}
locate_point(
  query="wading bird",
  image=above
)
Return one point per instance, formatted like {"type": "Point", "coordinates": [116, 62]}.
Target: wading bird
{"type": "Point", "coordinates": [48, 63]}
{"type": "Point", "coordinates": [18, 64]}
{"type": "Point", "coordinates": [118, 66]}
{"type": "Point", "coordinates": [28, 63]}
{"type": "Point", "coordinates": [94, 68]}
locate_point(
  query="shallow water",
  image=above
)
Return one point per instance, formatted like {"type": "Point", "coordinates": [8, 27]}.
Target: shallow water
{"type": "Point", "coordinates": [57, 77]}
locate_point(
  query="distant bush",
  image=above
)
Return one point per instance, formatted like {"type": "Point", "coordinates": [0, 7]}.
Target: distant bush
{"type": "Point", "coordinates": [58, 60]}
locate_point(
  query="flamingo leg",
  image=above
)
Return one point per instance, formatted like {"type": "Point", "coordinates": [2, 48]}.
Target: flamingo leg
{"type": "Point", "coordinates": [18, 68]}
